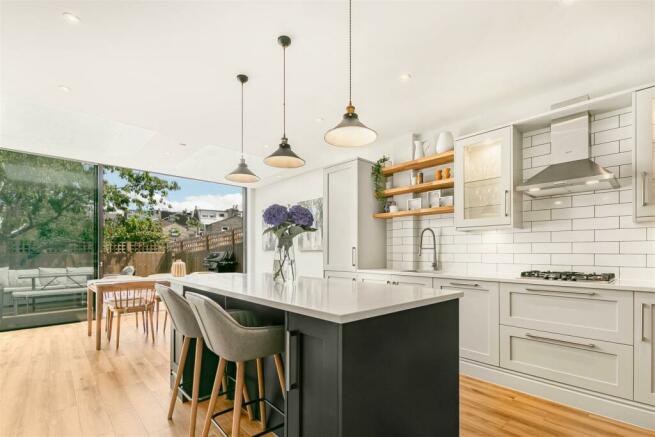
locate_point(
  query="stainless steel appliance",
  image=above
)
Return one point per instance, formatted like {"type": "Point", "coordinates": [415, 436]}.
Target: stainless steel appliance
{"type": "Point", "coordinates": [569, 276]}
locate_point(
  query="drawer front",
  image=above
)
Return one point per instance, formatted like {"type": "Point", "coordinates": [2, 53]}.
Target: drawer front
{"type": "Point", "coordinates": [592, 364]}
{"type": "Point", "coordinates": [374, 278]}
{"type": "Point", "coordinates": [583, 312]}
{"type": "Point", "coordinates": [478, 319]}
{"type": "Point", "coordinates": [411, 280]}
{"type": "Point", "coordinates": [340, 275]}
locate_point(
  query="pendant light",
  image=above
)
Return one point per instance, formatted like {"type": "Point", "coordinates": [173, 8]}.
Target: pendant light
{"type": "Point", "coordinates": [242, 173]}
{"type": "Point", "coordinates": [284, 157]}
{"type": "Point", "coordinates": [350, 132]}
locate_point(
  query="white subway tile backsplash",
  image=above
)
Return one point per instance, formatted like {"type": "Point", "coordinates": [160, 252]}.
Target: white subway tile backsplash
{"type": "Point", "coordinates": [591, 231]}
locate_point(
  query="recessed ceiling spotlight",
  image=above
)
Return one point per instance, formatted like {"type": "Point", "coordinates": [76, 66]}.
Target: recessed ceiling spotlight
{"type": "Point", "coordinates": [64, 89]}
{"type": "Point", "coordinates": [405, 77]}
{"type": "Point", "coordinates": [266, 146]}
{"type": "Point", "coordinates": [183, 144]}
{"type": "Point", "coordinates": [71, 18]}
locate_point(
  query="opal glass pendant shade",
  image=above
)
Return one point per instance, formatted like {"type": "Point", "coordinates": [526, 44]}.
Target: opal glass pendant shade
{"type": "Point", "coordinates": [242, 174]}
{"type": "Point", "coordinates": [284, 157]}
{"type": "Point", "coordinates": [350, 132]}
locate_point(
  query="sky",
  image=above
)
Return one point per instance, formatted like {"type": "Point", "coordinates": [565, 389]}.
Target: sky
{"type": "Point", "coordinates": [192, 193]}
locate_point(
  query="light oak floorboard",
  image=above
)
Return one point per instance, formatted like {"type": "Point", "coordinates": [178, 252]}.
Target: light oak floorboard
{"type": "Point", "coordinates": [54, 383]}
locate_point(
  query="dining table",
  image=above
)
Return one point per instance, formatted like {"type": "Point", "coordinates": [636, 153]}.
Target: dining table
{"type": "Point", "coordinates": [92, 288]}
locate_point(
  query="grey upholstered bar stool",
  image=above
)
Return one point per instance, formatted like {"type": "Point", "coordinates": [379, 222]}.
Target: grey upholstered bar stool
{"type": "Point", "coordinates": [233, 342]}
{"type": "Point", "coordinates": [185, 323]}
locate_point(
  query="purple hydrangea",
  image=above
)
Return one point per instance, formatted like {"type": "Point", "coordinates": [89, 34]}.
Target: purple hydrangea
{"type": "Point", "coordinates": [301, 216]}
{"type": "Point", "coordinates": [275, 215]}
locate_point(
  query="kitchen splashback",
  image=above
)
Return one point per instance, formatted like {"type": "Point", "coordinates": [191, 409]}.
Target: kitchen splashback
{"type": "Point", "coordinates": [584, 232]}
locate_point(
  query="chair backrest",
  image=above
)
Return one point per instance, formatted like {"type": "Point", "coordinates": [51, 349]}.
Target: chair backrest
{"type": "Point", "coordinates": [129, 294]}
{"type": "Point", "coordinates": [180, 311]}
{"type": "Point", "coordinates": [128, 271]}
{"type": "Point", "coordinates": [227, 338]}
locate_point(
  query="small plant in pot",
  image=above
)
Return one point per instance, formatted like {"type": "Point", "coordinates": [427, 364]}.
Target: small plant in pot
{"type": "Point", "coordinates": [379, 181]}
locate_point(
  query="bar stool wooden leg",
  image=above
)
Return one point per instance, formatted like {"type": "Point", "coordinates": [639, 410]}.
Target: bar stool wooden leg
{"type": "Point", "coordinates": [238, 399]}
{"type": "Point", "coordinates": [279, 366]}
{"type": "Point", "coordinates": [246, 398]}
{"type": "Point", "coordinates": [220, 370]}
{"type": "Point", "coordinates": [165, 319]}
{"type": "Point", "coordinates": [196, 386]}
{"type": "Point", "coordinates": [178, 377]}
{"type": "Point", "coordinates": [260, 387]}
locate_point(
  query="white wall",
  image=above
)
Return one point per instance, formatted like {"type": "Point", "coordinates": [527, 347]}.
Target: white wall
{"type": "Point", "coordinates": [305, 186]}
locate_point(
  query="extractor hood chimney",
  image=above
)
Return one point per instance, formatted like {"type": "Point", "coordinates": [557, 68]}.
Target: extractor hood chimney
{"type": "Point", "coordinates": [570, 169]}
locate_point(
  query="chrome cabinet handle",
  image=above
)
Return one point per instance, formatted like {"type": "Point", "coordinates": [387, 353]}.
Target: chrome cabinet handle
{"type": "Point", "coordinates": [506, 202]}
{"type": "Point", "coordinates": [463, 284]}
{"type": "Point", "coordinates": [644, 177]}
{"type": "Point", "coordinates": [643, 317]}
{"type": "Point", "coordinates": [354, 255]}
{"type": "Point", "coordinates": [556, 341]}
{"type": "Point", "coordinates": [586, 293]}
{"type": "Point", "coordinates": [388, 282]}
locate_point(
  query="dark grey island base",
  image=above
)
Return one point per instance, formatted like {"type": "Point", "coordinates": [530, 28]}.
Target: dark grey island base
{"type": "Point", "coordinates": [393, 375]}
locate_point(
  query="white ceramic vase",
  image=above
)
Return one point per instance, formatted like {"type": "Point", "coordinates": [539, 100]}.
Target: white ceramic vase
{"type": "Point", "coordinates": [445, 142]}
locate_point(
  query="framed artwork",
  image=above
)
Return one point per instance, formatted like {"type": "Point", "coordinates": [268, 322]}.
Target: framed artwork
{"type": "Point", "coordinates": [312, 241]}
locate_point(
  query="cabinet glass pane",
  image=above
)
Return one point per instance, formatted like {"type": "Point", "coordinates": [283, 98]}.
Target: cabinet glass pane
{"type": "Point", "coordinates": [649, 179]}
{"type": "Point", "coordinates": [483, 193]}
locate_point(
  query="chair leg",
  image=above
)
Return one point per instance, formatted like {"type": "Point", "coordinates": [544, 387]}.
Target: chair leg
{"type": "Point", "coordinates": [136, 319]}
{"type": "Point", "coordinates": [238, 399]}
{"type": "Point", "coordinates": [165, 319]}
{"type": "Point", "coordinates": [220, 370]}
{"type": "Point", "coordinates": [246, 398]}
{"type": "Point", "coordinates": [197, 365]}
{"type": "Point", "coordinates": [145, 323]}
{"type": "Point", "coordinates": [279, 366]}
{"type": "Point", "coordinates": [118, 329]}
{"type": "Point", "coordinates": [110, 323]}
{"type": "Point", "coordinates": [157, 311]}
{"type": "Point", "coordinates": [260, 387]}
{"type": "Point", "coordinates": [178, 377]}
{"type": "Point", "coordinates": [152, 326]}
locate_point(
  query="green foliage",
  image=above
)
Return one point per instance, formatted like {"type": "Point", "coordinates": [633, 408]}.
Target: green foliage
{"type": "Point", "coordinates": [379, 180]}
{"type": "Point", "coordinates": [134, 228]}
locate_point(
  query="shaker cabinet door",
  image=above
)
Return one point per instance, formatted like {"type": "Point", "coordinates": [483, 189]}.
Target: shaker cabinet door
{"type": "Point", "coordinates": [483, 179]}
{"type": "Point", "coordinates": [645, 348]}
{"type": "Point", "coordinates": [644, 154]}
{"type": "Point", "coordinates": [340, 185]}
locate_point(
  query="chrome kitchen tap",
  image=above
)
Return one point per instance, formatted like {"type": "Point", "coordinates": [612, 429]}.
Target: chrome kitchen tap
{"type": "Point", "coordinates": [434, 247]}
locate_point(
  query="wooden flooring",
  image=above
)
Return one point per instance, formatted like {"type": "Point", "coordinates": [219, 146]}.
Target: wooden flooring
{"type": "Point", "coordinates": [54, 383]}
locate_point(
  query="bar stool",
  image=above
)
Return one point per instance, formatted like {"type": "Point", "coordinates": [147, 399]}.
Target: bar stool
{"type": "Point", "coordinates": [233, 342]}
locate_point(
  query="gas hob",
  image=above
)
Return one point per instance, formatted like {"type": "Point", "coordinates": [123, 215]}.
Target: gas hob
{"type": "Point", "coordinates": [568, 276]}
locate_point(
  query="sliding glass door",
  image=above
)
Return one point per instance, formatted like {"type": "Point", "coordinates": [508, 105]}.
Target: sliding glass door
{"type": "Point", "coordinates": [48, 238]}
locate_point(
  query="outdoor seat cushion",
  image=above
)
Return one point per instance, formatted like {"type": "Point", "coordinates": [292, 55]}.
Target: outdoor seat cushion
{"type": "Point", "coordinates": [4, 277]}
{"type": "Point", "coordinates": [49, 292]}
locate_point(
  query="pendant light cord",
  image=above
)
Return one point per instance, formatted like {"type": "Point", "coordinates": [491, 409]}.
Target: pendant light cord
{"type": "Point", "coordinates": [284, 92]}
{"type": "Point", "coordinates": [350, 52]}
{"type": "Point", "coordinates": [241, 120]}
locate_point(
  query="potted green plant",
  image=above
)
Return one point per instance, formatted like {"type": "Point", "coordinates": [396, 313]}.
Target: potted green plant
{"type": "Point", "coordinates": [379, 181]}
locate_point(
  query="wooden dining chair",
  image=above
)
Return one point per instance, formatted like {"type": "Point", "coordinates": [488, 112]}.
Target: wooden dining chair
{"type": "Point", "coordinates": [131, 297]}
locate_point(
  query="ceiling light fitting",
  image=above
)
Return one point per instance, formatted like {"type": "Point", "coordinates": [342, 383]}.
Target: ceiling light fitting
{"type": "Point", "coordinates": [284, 157]}
{"type": "Point", "coordinates": [242, 173]}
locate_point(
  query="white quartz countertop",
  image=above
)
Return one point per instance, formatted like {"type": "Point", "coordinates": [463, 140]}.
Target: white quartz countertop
{"type": "Point", "coordinates": [336, 300]}
{"type": "Point", "coordinates": [619, 284]}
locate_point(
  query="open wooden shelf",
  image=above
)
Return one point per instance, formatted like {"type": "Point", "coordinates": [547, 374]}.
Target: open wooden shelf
{"type": "Point", "coordinates": [415, 212]}
{"type": "Point", "coordinates": [420, 188]}
{"type": "Point", "coordinates": [417, 164]}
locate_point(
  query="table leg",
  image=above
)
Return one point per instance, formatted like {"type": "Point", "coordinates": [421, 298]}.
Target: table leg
{"type": "Point", "coordinates": [99, 319]}
{"type": "Point", "coordinates": [89, 310]}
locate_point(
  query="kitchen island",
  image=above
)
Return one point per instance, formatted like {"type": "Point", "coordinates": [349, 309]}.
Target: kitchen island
{"type": "Point", "coordinates": [361, 359]}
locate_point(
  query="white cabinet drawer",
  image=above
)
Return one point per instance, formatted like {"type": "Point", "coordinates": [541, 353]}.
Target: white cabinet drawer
{"type": "Point", "coordinates": [478, 319]}
{"type": "Point", "coordinates": [595, 365]}
{"type": "Point", "coordinates": [584, 312]}
{"type": "Point", "coordinates": [411, 280]}
{"type": "Point", "coordinates": [330, 274]}
{"type": "Point", "coordinates": [374, 278]}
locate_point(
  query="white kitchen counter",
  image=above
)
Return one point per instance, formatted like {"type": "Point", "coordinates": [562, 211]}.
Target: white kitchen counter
{"type": "Point", "coordinates": [335, 300]}
{"type": "Point", "coordinates": [619, 284]}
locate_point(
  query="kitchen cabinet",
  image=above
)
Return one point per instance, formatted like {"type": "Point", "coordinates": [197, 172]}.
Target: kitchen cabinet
{"type": "Point", "coordinates": [478, 319]}
{"type": "Point", "coordinates": [643, 154]}
{"type": "Point", "coordinates": [374, 278]}
{"type": "Point", "coordinates": [340, 275]}
{"type": "Point", "coordinates": [420, 281]}
{"type": "Point", "coordinates": [487, 169]}
{"type": "Point", "coordinates": [583, 312]}
{"type": "Point", "coordinates": [645, 347]}
{"type": "Point", "coordinates": [353, 238]}
{"type": "Point", "coordinates": [596, 365]}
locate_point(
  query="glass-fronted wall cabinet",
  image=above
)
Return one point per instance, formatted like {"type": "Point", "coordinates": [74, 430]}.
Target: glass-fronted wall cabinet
{"type": "Point", "coordinates": [487, 168]}
{"type": "Point", "coordinates": [643, 178]}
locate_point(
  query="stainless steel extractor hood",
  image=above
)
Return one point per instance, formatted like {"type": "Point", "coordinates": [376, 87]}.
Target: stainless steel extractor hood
{"type": "Point", "coordinates": [570, 169]}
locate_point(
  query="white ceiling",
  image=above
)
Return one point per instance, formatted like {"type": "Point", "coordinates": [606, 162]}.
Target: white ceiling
{"type": "Point", "coordinates": [145, 76]}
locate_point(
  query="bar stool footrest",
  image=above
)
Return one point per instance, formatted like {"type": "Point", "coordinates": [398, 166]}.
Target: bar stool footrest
{"type": "Point", "coordinates": [245, 404]}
